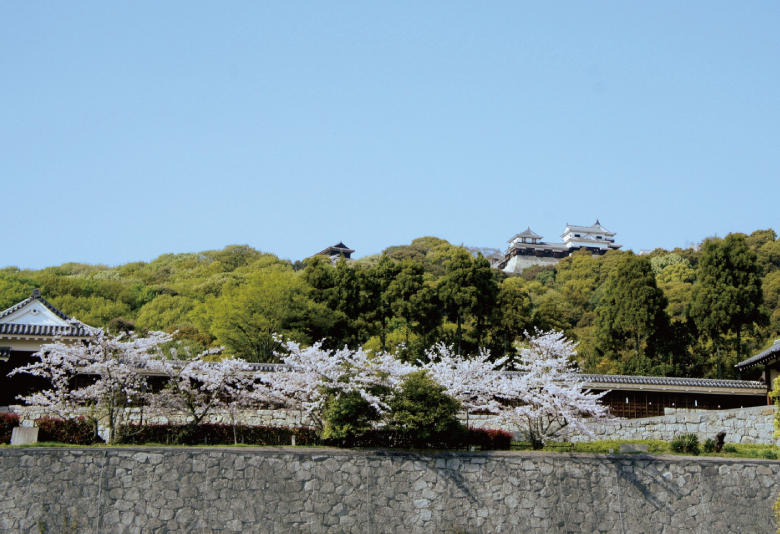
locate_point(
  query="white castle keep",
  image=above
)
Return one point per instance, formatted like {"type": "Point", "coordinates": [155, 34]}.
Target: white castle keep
{"type": "Point", "coordinates": [527, 249]}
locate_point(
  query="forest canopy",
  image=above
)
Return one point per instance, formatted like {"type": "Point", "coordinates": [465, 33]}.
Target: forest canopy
{"type": "Point", "coordinates": [678, 312]}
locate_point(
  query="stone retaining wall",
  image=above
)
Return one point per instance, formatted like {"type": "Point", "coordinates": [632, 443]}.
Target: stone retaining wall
{"type": "Point", "coordinates": [286, 490]}
{"type": "Point", "coordinates": [742, 425]}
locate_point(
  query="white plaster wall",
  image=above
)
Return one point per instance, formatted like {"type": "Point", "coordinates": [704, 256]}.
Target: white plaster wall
{"type": "Point", "coordinates": [519, 263]}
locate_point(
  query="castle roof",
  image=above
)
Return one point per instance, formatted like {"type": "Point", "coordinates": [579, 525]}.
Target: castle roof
{"type": "Point", "coordinates": [336, 249]}
{"type": "Point", "coordinates": [595, 229]}
{"type": "Point", "coordinates": [528, 234]}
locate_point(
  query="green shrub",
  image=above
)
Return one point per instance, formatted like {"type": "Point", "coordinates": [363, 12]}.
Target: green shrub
{"type": "Point", "coordinates": [217, 434]}
{"type": "Point", "coordinates": [348, 416]}
{"type": "Point", "coordinates": [731, 449]}
{"type": "Point", "coordinates": [686, 444]}
{"type": "Point", "coordinates": [709, 445]}
{"type": "Point", "coordinates": [460, 438]}
{"type": "Point", "coordinates": [421, 409]}
{"type": "Point", "coordinates": [73, 432]}
{"type": "Point", "coordinates": [768, 454]}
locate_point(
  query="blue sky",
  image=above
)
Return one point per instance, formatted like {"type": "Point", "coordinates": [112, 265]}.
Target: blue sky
{"type": "Point", "coordinates": [128, 130]}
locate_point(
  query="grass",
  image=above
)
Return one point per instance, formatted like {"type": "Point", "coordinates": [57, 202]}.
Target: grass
{"type": "Point", "coordinates": [49, 444]}
{"type": "Point", "coordinates": [765, 452]}
{"type": "Point", "coordinates": [656, 447]}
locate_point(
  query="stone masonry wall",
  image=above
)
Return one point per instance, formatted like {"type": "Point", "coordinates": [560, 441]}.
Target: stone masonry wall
{"type": "Point", "coordinates": [287, 490]}
{"type": "Point", "coordinates": [742, 425]}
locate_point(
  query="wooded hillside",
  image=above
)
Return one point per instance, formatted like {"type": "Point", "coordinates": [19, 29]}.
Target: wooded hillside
{"type": "Point", "coordinates": [666, 313]}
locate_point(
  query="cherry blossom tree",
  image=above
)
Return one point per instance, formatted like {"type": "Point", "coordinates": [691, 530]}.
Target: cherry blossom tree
{"type": "Point", "coordinates": [546, 399]}
{"type": "Point", "coordinates": [473, 381]}
{"type": "Point", "coordinates": [311, 375]}
{"type": "Point", "coordinates": [113, 365]}
{"type": "Point", "coordinates": [196, 388]}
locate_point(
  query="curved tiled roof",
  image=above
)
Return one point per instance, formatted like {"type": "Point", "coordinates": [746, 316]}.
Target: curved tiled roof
{"type": "Point", "coordinates": [673, 381]}
{"type": "Point", "coordinates": [36, 296]}
{"type": "Point", "coordinates": [606, 379]}
{"type": "Point", "coordinates": [13, 329]}
{"type": "Point", "coordinates": [769, 354]}
{"type": "Point", "coordinates": [527, 234]}
{"type": "Point", "coordinates": [596, 228]}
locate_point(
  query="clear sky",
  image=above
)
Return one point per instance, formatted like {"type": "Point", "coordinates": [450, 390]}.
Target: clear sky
{"type": "Point", "coordinates": [132, 129]}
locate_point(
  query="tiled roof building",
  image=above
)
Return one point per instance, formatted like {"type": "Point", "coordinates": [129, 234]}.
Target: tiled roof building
{"type": "Point", "coordinates": [336, 251]}
{"type": "Point", "coordinates": [24, 327]}
{"type": "Point", "coordinates": [527, 248]}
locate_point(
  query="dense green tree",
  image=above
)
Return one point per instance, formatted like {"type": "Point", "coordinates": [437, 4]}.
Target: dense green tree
{"type": "Point", "coordinates": [377, 284]}
{"type": "Point", "coordinates": [14, 290]}
{"type": "Point", "coordinates": [94, 311]}
{"type": "Point", "coordinates": [727, 297]}
{"type": "Point", "coordinates": [356, 296]}
{"type": "Point", "coordinates": [661, 262]}
{"type": "Point", "coordinates": [348, 415]}
{"type": "Point", "coordinates": [246, 318]}
{"type": "Point", "coordinates": [678, 272]}
{"type": "Point", "coordinates": [632, 309]}
{"type": "Point", "coordinates": [769, 256]}
{"type": "Point", "coordinates": [547, 316]}
{"type": "Point", "coordinates": [166, 311]}
{"type": "Point", "coordinates": [513, 315]}
{"type": "Point", "coordinates": [759, 238]}
{"type": "Point", "coordinates": [486, 295]}
{"type": "Point", "coordinates": [422, 408]}
{"type": "Point", "coordinates": [402, 293]}
{"type": "Point", "coordinates": [771, 287]}
{"type": "Point", "coordinates": [457, 291]}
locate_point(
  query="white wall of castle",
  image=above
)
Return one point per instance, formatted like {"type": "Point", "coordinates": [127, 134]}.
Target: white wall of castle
{"type": "Point", "coordinates": [519, 263]}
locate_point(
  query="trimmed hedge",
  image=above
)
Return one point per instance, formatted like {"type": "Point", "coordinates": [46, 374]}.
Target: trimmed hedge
{"type": "Point", "coordinates": [490, 440]}
{"type": "Point", "coordinates": [218, 434]}
{"type": "Point", "coordinates": [7, 423]}
{"type": "Point", "coordinates": [81, 432]}
{"type": "Point", "coordinates": [74, 432]}
{"type": "Point", "coordinates": [484, 439]}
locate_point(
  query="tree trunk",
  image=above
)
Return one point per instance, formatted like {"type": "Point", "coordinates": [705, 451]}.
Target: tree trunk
{"type": "Point", "coordinates": [636, 349]}
{"type": "Point", "coordinates": [383, 335]}
{"type": "Point", "coordinates": [458, 334]}
{"type": "Point", "coordinates": [717, 347]}
{"type": "Point", "coordinates": [739, 344]}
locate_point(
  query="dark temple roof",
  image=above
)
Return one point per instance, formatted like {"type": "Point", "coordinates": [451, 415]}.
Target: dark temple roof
{"type": "Point", "coordinates": [335, 249]}
{"type": "Point", "coordinates": [672, 381]}
{"type": "Point", "coordinates": [606, 379]}
{"type": "Point", "coordinates": [769, 354]}
{"type": "Point", "coordinates": [13, 329]}
{"type": "Point", "coordinates": [35, 296]}
{"type": "Point", "coordinates": [72, 329]}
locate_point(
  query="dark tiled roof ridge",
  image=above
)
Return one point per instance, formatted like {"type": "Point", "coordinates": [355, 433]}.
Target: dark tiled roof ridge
{"type": "Point", "coordinates": [20, 305]}
{"type": "Point", "coordinates": [15, 307]}
{"type": "Point", "coordinates": [615, 379]}
{"type": "Point", "coordinates": [15, 329]}
{"type": "Point", "coordinates": [770, 353]}
{"type": "Point", "coordinates": [672, 381]}
{"type": "Point", "coordinates": [594, 229]}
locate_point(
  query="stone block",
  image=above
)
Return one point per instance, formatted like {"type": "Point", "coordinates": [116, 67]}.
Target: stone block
{"type": "Point", "coordinates": [632, 447]}
{"type": "Point", "coordinates": [24, 435]}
